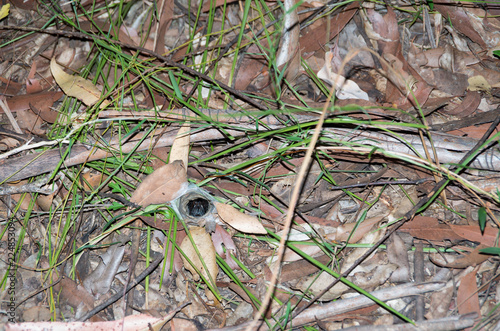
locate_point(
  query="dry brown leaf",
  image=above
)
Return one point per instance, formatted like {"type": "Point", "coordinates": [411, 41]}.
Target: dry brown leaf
{"type": "Point", "coordinates": [468, 105]}
{"type": "Point", "coordinates": [32, 84]}
{"type": "Point", "coordinates": [37, 313]}
{"type": "Point", "coordinates": [207, 251]}
{"type": "Point", "coordinates": [9, 142]}
{"type": "Point", "coordinates": [467, 297]}
{"type": "Point", "coordinates": [92, 181]}
{"type": "Point", "coordinates": [398, 255]}
{"type": "Point", "coordinates": [29, 121]}
{"type": "Point", "coordinates": [45, 201]}
{"type": "Point", "coordinates": [478, 83]}
{"type": "Point", "coordinates": [473, 233]}
{"type": "Point", "coordinates": [238, 220]}
{"type": "Point", "coordinates": [344, 231]}
{"type": "Point", "coordinates": [163, 185]}
{"type": "Point", "coordinates": [76, 86]}
{"type": "Point", "coordinates": [429, 228]}
{"type": "Point", "coordinates": [472, 259]}
{"type": "Point", "coordinates": [180, 146]}
{"type": "Point", "coordinates": [344, 88]}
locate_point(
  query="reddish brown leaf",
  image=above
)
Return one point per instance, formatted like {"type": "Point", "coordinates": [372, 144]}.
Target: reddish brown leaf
{"type": "Point", "coordinates": [29, 121]}
{"type": "Point", "coordinates": [473, 233]}
{"type": "Point", "coordinates": [47, 114]}
{"type": "Point", "coordinates": [467, 298]}
{"type": "Point", "coordinates": [453, 11]}
{"type": "Point", "coordinates": [155, 222]}
{"type": "Point", "coordinates": [388, 42]}
{"type": "Point", "coordinates": [167, 10]}
{"type": "Point", "coordinates": [39, 100]}
{"type": "Point", "coordinates": [429, 228]}
{"type": "Point", "coordinates": [472, 259]}
{"type": "Point", "coordinates": [9, 87]}
{"type": "Point", "coordinates": [33, 84]}
{"type": "Point", "coordinates": [311, 39]}
{"type": "Point", "coordinates": [468, 105]}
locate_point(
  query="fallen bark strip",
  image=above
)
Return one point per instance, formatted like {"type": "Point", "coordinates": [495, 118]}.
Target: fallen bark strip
{"type": "Point", "coordinates": [442, 324]}
{"type": "Point", "coordinates": [449, 148]}
{"type": "Point", "coordinates": [329, 310]}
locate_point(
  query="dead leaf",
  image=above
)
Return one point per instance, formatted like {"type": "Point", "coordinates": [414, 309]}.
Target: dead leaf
{"type": "Point", "coordinates": [312, 34]}
{"type": "Point", "coordinates": [478, 83]}
{"type": "Point", "coordinates": [180, 146]}
{"type": "Point", "coordinates": [238, 220]}
{"type": "Point", "coordinates": [76, 86]}
{"type": "Point", "coordinates": [163, 185]}
{"type": "Point", "coordinates": [468, 105]}
{"type": "Point", "coordinates": [155, 222]}
{"type": "Point", "coordinates": [460, 20]}
{"type": "Point", "coordinates": [9, 142]}
{"type": "Point", "coordinates": [40, 101]}
{"type": "Point", "coordinates": [344, 88]}
{"type": "Point", "coordinates": [472, 259]}
{"type": "Point", "coordinates": [92, 181]}
{"type": "Point", "coordinates": [29, 121]}
{"type": "Point", "coordinates": [45, 201]}
{"type": "Point", "coordinates": [344, 231]}
{"type": "Point", "coordinates": [33, 84]}
{"type": "Point", "coordinates": [473, 233]}
{"type": "Point", "coordinates": [398, 255]}
{"type": "Point", "coordinates": [467, 297]}
{"type": "Point", "coordinates": [440, 303]}
{"type": "Point", "coordinates": [429, 228]}
{"type": "Point", "coordinates": [207, 251]}
{"type": "Point", "coordinates": [220, 237]}
{"type": "Point", "coordinates": [36, 313]}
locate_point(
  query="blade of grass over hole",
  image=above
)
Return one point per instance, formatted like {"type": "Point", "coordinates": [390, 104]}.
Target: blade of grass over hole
{"type": "Point", "coordinates": [343, 280]}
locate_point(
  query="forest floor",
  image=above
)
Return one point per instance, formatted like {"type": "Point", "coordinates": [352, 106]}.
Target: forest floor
{"type": "Point", "coordinates": [245, 165]}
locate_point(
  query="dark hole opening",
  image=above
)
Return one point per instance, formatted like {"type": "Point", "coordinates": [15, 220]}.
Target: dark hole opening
{"type": "Point", "coordinates": [197, 207]}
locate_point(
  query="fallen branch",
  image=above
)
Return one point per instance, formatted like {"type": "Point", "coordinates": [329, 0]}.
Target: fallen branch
{"type": "Point", "coordinates": [450, 148]}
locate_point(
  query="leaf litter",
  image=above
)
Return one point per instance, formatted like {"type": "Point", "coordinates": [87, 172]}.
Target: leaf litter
{"type": "Point", "coordinates": [148, 159]}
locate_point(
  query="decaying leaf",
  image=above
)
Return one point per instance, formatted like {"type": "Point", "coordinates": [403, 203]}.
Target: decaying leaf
{"type": "Point", "coordinates": [344, 89]}
{"type": "Point", "coordinates": [180, 146]}
{"type": "Point", "coordinates": [76, 86]}
{"type": "Point", "coordinates": [207, 251]}
{"type": "Point", "coordinates": [92, 181]}
{"type": "Point", "coordinates": [472, 259]}
{"type": "Point", "coordinates": [163, 185]}
{"type": "Point", "coordinates": [478, 83]}
{"type": "Point", "coordinates": [467, 296]}
{"type": "Point", "coordinates": [238, 220]}
{"type": "Point", "coordinates": [398, 255]}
